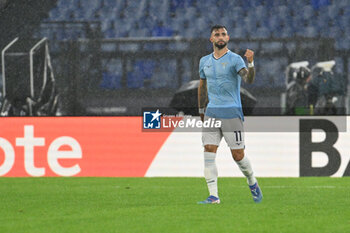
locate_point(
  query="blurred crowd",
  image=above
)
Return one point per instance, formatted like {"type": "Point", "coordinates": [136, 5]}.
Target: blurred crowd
{"type": "Point", "coordinates": [318, 90]}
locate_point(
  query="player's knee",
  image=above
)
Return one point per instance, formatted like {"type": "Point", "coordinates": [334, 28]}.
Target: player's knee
{"type": "Point", "coordinates": [210, 148]}
{"type": "Point", "coordinates": [237, 154]}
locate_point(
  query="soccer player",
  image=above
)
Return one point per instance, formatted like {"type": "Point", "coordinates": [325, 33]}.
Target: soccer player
{"type": "Point", "coordinates": [219, 97]}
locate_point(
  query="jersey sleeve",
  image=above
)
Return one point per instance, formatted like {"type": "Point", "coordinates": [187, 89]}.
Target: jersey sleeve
{"type": "Point", "coordinates": [201, 71]}
{"type": "Point", "coordinates": [239, 64]}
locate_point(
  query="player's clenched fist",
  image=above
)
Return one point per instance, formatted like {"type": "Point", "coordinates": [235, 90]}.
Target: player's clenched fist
{"type": "Point", "coordinates": [249, 54]}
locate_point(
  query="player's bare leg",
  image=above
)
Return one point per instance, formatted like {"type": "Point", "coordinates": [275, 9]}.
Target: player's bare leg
{"type": "Point", "coordinates": [246, 168]}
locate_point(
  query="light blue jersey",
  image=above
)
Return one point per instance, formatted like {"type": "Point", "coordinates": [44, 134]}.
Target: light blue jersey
{"type": "Point", "coordinates": [223, 83]}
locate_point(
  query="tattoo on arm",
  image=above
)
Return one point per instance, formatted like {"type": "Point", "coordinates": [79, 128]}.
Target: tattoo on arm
{"type": "Point", "coordinates": [248, 75]}
{"type": "Point", "coordinates": [202, 94]}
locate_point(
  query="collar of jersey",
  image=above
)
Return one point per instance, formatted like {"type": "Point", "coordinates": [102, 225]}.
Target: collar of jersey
{"type": "Point", "coordinates": [221, 56]}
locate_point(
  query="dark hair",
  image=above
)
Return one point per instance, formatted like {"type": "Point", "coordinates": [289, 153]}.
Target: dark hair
{"type": "Point", "coordinates": [216, 27]}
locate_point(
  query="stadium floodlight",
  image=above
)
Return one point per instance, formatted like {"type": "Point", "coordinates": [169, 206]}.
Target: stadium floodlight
{"type": "Point", "coordinates": [3, 64]}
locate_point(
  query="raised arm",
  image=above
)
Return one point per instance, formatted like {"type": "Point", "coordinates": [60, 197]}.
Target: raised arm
{"type": "Point", "coordinates": [202, 97]}
{"type": "Point", "coordinates": [248, 75]}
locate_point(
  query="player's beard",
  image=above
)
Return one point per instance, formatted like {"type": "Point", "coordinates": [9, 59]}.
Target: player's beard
{"type": "Point", "coordinates": [220, 46]}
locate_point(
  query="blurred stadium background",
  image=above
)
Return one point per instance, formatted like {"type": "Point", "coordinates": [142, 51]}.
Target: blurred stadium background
{"type": "Point", "coordinates": [113, 57]}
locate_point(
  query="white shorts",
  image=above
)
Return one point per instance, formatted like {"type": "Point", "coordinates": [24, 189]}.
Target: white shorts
{"type": "Point", "coordinates": [231, 129]}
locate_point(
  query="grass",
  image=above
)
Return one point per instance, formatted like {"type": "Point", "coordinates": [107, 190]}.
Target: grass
{"type": "Point", "coordinates": [170, 205]}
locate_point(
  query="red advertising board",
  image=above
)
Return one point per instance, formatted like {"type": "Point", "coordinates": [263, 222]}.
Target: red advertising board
{"type": "Point", "coordinates": [76, 146]}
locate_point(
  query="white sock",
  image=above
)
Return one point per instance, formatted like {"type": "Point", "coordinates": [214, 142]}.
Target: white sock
{"type": "Point", "coordinates": [211, 173]}
{"type": "Point", "coordinates": [247, 170]}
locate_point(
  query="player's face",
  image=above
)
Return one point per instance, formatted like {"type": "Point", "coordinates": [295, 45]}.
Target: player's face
{"type": "Point", "coordinates": [219, 38]}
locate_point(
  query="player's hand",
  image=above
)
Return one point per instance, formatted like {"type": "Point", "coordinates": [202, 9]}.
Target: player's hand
{"type": "Point", "coordinates": [249, 54]}
{"type": "Point", "coordinates": [202, 117]}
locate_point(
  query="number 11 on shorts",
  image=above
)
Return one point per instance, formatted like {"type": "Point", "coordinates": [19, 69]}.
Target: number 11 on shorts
{"type": "Point", "coordinates": [238, 134]}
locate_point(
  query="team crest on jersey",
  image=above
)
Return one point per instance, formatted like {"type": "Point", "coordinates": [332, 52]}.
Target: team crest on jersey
{"type": "Point", "coordinates": [224, 64]}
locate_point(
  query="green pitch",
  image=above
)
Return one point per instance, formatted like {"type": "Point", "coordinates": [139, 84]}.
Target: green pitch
{"type": "Point", "coordinates": [170, 205]}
